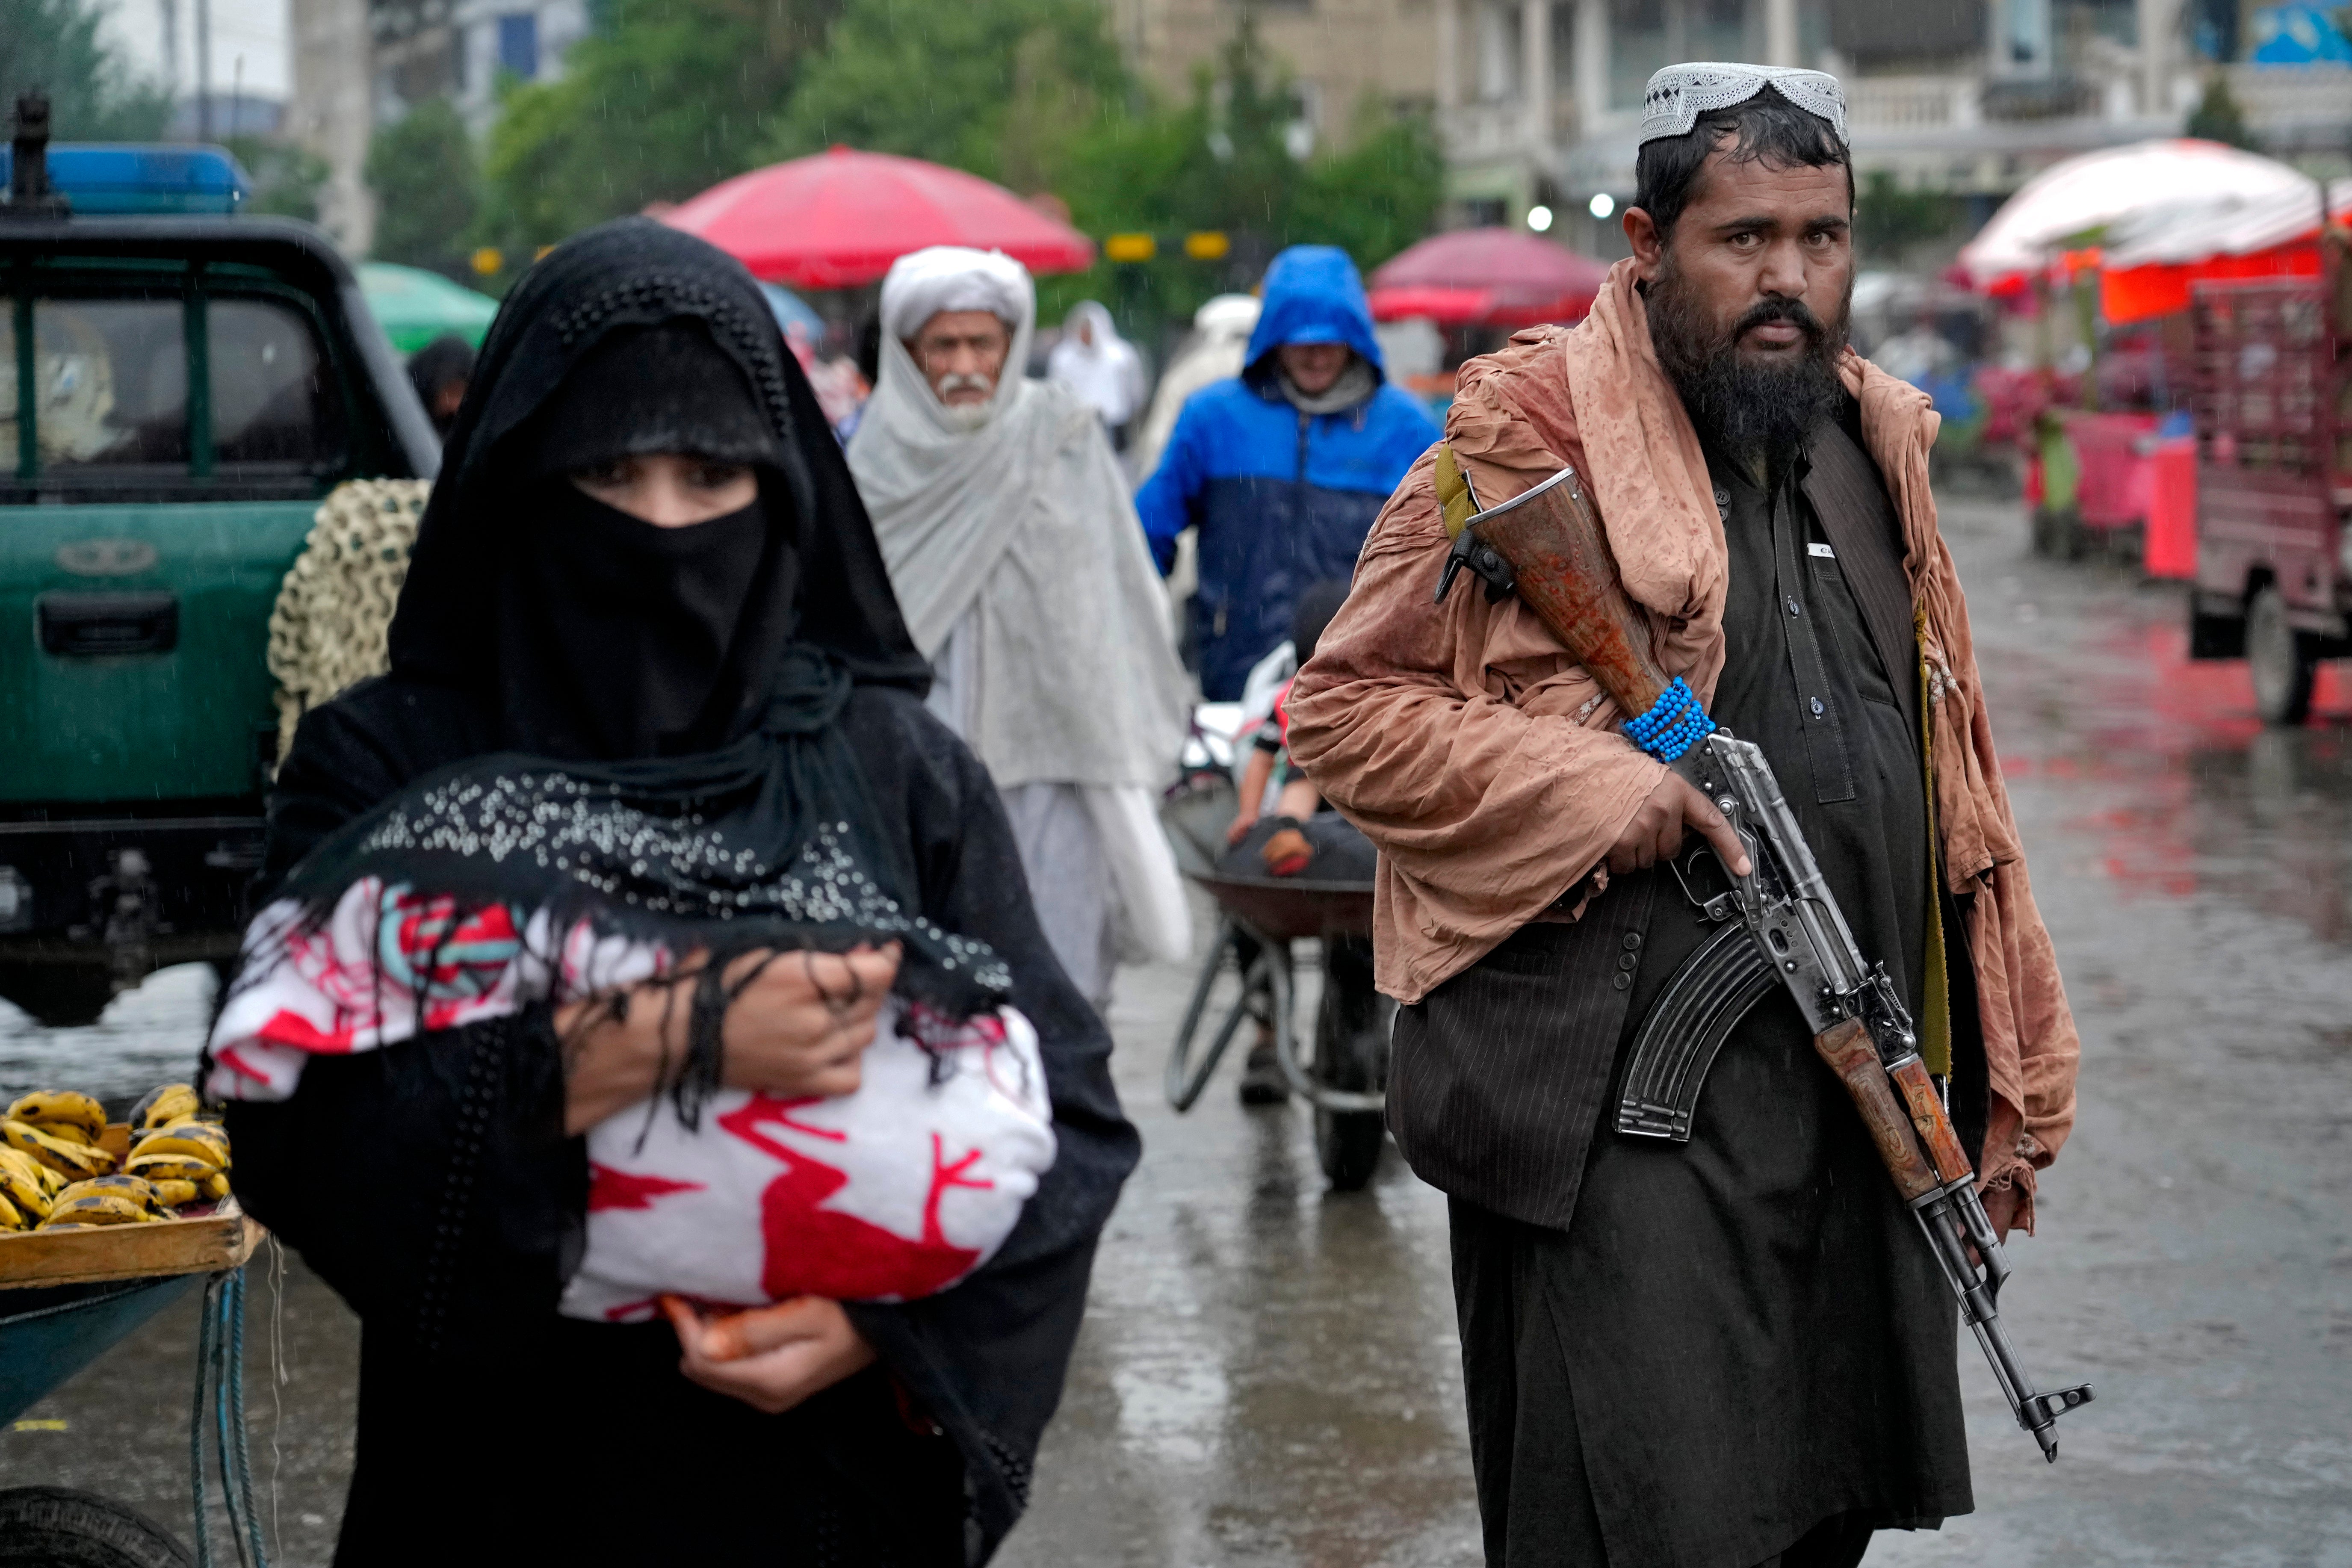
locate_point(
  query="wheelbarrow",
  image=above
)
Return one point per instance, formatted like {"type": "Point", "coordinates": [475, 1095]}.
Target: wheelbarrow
{"type": "Point", "coordinates": [67, 1298]}
{"type": "Point", "coordinates": [1343, 1078]}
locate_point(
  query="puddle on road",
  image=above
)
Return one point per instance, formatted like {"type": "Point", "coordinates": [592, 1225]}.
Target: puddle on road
{"type": "Point", "coordinates": [2175, 786]}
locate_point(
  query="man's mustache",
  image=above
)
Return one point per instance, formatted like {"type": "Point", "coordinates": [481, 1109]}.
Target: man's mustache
{"type": "Point", "coordinates": [1779, 308]}
{"type": "Point", "coordinates": [957, 381]}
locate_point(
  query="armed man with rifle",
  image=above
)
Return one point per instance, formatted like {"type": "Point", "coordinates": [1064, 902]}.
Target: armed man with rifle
{"type": "Point", "coordinates": [1657, 691]}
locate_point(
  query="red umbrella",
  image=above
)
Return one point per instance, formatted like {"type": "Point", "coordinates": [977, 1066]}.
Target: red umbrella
{"type": "Point", "coordinates": [1446, 307]}
{"type": "Point", "coordinates": [1486, 277]}
{"type": "Point", "coordinates": [839, 219]}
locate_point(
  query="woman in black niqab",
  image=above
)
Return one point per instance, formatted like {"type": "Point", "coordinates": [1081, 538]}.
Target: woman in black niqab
{"type": "Point", "coordinates": [750, 671]}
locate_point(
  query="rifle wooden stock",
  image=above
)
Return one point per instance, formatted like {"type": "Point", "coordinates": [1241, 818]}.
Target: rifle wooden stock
{"type": "Point", "coordinates": [1936, 1131]}
{"type": "Point", "coordinates": [1847, 1048]}
{"type": "Point", "coordinates": [1568, 576]}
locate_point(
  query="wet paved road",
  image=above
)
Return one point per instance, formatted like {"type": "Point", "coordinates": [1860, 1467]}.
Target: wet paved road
{"type": "Point", "coordinates": [1268, 1375]}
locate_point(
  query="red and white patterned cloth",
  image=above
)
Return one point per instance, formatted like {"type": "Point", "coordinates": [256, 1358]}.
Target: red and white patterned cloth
{"type": "Point", "coordinates": [893, 1191]}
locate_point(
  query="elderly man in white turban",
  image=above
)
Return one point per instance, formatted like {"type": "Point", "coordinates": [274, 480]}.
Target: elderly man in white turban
{"type": "Point", "coordinates": [1024, 578]}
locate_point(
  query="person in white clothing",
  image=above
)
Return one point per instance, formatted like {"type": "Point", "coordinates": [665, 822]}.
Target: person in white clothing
{"type": "Point", "coordinates": [1103, 368]}
{"type": "Point", "coordinates": [1024, 578]}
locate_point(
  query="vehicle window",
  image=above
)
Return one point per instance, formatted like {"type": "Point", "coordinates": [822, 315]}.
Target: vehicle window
{"type": "Point", "coordinates": [109, 382]}
{"type": "Point", "coordinates": [273, 399]}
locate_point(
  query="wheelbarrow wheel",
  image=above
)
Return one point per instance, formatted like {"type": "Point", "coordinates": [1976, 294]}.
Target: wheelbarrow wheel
{"type": "Point", "coordinates": [1350, 1054]}
{"type": "Point", "coordinates": [54, 1527]}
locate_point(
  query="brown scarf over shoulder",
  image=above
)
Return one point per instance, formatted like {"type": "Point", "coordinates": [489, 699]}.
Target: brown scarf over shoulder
{"type": "Point", "coordinates": [1485, 764]}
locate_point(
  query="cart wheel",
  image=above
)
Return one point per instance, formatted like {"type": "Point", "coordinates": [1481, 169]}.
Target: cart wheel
{"type": "Point", "coordinates": [1351, 1048]}
{"type": "Point", "coordinates": [53, 1527]}
{"type": "Point", "coordinates": [2284, 660]}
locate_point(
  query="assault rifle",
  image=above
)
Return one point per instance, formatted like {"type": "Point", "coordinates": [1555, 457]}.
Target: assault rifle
{"type": "Point", "coordinates": [1781, 924]}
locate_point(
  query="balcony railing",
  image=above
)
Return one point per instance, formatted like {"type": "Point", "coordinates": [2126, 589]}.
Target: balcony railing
{"type": "Point", "coordinates": [1477, 130]}
{"type": "Point", "coordinates": [2293, 99]}
{"type": "Point", "coordinates": [1911, 102]}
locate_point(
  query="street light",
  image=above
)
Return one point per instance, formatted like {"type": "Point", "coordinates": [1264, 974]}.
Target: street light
{"type": "Point", "coordinates": [1539, 218]}
{"type": "Point", "coordinates": [1602, 205]}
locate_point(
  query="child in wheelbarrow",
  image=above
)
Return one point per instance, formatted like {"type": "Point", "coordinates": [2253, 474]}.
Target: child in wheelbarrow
{"type": "Point", "coordinates": [1304, 838]}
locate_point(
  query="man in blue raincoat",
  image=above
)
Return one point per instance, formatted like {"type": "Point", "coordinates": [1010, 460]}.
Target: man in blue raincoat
{"type": "Point", "coordinates": [1284, 468]}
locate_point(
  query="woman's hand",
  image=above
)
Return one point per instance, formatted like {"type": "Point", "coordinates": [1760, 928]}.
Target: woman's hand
{"type": "Point", "coordinates": [770, 1358]}
{"type": "Point", "coordinates": [800, 1026]}
{"type": "Point", "coordinates": [1244, 820]}
{"type": "Point", "coordinates": [797, 1028]}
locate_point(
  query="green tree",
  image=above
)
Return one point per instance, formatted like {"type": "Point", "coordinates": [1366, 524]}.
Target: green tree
{"type": "Point", "coordinates": [1378, 194]}
{"type": "Point", "coordinates": [427, 191]}
{"type": "Point", "coordinates": [2217, 118]}
{"type": "Point", "coordinates": [286, 178]}
{"type": "Point", "coordinates": [1224, 160]}
{"type": "Point", "coordinates": [1889, 219]}
{"type": "Point", "coordinates": [665, 98]}
{"type": "Point", "coordinates": [53, 45]}
{"type": "Point", "coordinates": [989, 88]}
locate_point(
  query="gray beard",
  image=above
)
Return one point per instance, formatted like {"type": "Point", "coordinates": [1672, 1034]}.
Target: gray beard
{"type": "Point", "coordinates": [967, 418]}
{"type": "Point", "coordinates": [1757, 412]}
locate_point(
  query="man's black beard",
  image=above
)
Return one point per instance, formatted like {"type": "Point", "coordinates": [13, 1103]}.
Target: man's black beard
{"type": "Point", "coordinates": [1747, 407]}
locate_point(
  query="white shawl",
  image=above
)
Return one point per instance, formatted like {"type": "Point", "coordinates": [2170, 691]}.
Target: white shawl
{"type": "Point", "coordinates": [1022, 534]}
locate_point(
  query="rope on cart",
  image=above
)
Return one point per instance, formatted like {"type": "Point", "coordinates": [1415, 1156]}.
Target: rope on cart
{"type": "Point", "coordinates": [220, 1392]}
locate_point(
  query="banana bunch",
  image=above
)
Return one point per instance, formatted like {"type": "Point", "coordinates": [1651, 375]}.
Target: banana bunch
{"type": "Point", "coordinates": [189, 1152]}
{"type": "Point", "coordinates": [55, 1176]}
{"type": "Point", "coordinates": [105, 1200]}
{"type": "Point", "coordinates": [60, 1130]}
{"type": "Point", "coordinates": [28, 1189]}
{"type": "Point", "coordinates": [163, 1106]}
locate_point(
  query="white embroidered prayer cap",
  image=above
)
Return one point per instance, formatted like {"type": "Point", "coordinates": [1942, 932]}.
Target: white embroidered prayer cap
{"type": "Point", "coordinates": [1679, 95]}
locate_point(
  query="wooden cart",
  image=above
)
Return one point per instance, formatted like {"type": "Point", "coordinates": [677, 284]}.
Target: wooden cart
{"type": "Point", "coordinates": [69, 1297]}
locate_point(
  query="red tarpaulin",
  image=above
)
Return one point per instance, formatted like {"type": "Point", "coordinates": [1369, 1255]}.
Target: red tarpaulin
{"type": "Point", "coordinates": [2142, 293]}
{"type": "Point", "coordinates": [839, 219]}
{"type": "Point", "coordinates": [1486, 277]}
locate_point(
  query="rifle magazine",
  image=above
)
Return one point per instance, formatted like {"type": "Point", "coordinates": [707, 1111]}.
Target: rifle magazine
{"type": "Point", "coordinates": [1686, 1027]}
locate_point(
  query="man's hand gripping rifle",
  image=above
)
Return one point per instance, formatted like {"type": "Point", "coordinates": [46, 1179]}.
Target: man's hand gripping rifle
{"type": "Point", "coordinates": [1780, 921]}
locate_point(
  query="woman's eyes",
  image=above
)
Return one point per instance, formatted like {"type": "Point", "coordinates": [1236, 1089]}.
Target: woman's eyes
{"type": "Point", "coordinates": [717, 476]}
{"type": "Point", "coordinates": [607, 475]}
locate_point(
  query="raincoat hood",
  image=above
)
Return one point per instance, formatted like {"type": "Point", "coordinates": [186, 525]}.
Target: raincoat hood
{"type": "Point", "coordinates": [1313, 295]}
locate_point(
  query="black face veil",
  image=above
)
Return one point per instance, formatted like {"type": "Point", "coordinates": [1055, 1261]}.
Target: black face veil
{"type": "Point", "coordinates": [598, 338]}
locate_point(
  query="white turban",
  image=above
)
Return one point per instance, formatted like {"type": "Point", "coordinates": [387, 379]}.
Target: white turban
{"type": "Point", "coordinates": [923, 283]}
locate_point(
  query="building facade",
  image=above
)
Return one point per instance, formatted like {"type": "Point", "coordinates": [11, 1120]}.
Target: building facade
{"type": "Point", "coordinates": [1539, 101]}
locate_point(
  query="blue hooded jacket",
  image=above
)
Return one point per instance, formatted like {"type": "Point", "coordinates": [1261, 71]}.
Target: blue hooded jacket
{"type": "Point", "coordinates": [1283, 499]}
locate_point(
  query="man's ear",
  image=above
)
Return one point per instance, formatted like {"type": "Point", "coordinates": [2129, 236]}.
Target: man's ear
{"type": "Point", "coordinates": [1649, 248]}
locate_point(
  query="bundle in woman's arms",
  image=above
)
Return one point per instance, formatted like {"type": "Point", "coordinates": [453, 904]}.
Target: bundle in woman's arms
{"type": "Point", "coordinates": [1782, 924]}
{"type": "Point", "coordinates": [508, 881]}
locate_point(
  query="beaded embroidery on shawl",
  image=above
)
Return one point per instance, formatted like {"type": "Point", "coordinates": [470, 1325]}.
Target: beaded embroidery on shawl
{"type": "Point", "coordinates": [1679, 95]}
{"type": "Point", "coordinates": [676, 867]}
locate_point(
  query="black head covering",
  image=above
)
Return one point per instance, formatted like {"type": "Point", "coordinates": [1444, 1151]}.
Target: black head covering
{"type": "Point", "coordinates": [669, 699]}
{"type": "Point", "coordinates": [445, 359]}
{"type": "Point", "coordinates": [635, 273]}
{"type": "Point", "coordinates": [652, 389]}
